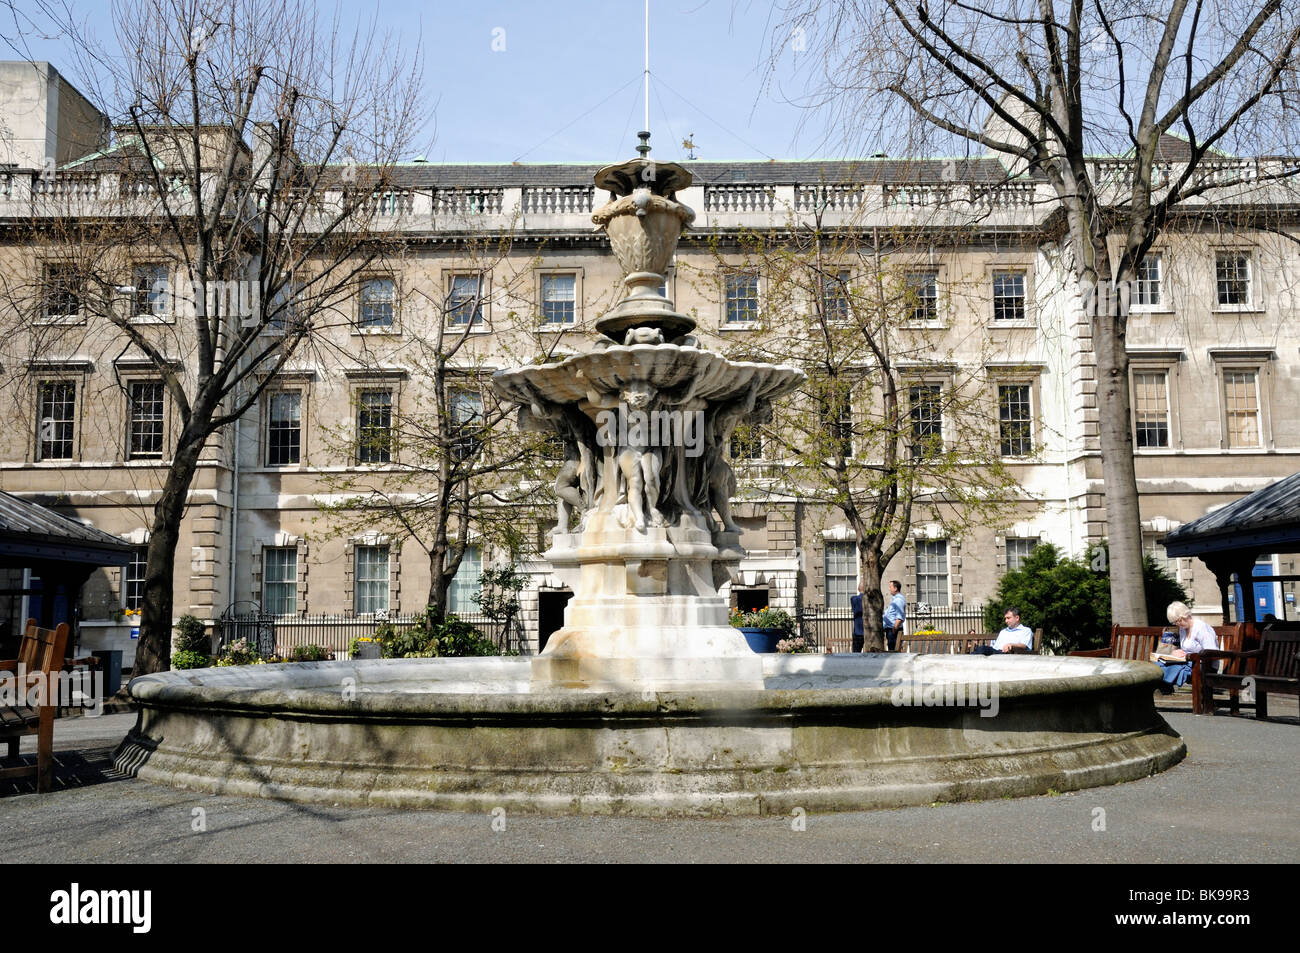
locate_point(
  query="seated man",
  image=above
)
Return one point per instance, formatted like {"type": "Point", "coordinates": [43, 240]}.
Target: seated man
{"type": "Point", "coordinates": [1013, 634]}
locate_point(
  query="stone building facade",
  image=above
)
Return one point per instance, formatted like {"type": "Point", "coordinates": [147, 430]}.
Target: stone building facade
{"type": "Point", "coordinates": [1213, 340]}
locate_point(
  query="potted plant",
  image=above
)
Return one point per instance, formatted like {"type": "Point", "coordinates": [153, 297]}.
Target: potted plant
{"type": "Point", "coordinates": [764, 628]}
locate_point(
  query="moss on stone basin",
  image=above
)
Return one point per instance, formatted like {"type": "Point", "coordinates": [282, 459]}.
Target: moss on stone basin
{"type": "Point", "coordinates": [827, 733]}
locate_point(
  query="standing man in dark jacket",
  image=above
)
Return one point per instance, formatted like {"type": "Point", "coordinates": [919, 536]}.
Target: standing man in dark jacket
{"type": "Point", "coordinates": [855, 603]}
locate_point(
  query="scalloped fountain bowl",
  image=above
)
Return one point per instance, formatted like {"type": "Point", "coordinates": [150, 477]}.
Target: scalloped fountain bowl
{"type": "Point", "coordinates": [824, 733]}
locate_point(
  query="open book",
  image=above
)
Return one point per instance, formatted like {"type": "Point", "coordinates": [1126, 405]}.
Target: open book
{"type": "Point", "coordinates": [1169, 653]}
{"type": "Point", "coordinates": [1168, 650]}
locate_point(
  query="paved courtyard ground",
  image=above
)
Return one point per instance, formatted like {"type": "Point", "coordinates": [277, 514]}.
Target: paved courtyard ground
{"type": "Point", "coordinates": [1232, 801]}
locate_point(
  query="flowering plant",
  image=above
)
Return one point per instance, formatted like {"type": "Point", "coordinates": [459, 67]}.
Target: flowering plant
{"type": "Point", "coordinates": [240, 652]}
{"type": "Point", "coordinates": [764, 618]}
{"type": "Point", "coordinates": [795, 646]}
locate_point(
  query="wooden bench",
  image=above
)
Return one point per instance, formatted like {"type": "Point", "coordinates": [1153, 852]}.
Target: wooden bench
{"type": "Point", "coordinates": [960, 644]}
{"type": "Point", "coordinates": [40, 659]}
{"type": "Point", "coordinates": [1137, 642]}
{"type": "Point", "coordinates": [1273, 668]}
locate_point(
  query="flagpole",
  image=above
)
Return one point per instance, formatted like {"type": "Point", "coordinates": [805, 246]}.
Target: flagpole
{"type": "Point", "coordinates": [646, 127]}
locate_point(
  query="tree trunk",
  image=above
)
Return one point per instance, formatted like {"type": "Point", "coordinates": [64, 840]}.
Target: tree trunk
{"type": "Point", "coordinates": [1115, 436]}
{"type": "Point", "coordinates": [437, 603]}
{"type": "Point", "coordinates": [1115, 433]}
{"type": "Point", "coordinates": [154, 653]}
{"type": "Point", "coordinates": [873, 598]}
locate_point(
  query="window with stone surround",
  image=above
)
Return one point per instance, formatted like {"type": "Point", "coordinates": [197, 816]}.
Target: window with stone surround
{"type": "Point", "coordinates": [559, 293]}
{"type": "Point", "coordinates": [835, 298]}
{"type": "Point", "coordinates": [280, 580]}
{"type": "Point", "coordinates": [145, 403]}
{"type": "Point", "coordinates": [841, 573]}
{"type": "Point", "coordinates": [1019, 550]}
{"type": "Point", "coordinates": [1009, 295]}
{"type": "Point", "coordinates": [284, 428]}
{"type": "Point", "coordinates": [133, 578]}
{"type": "Point", "coordinates": [925, 411]}
{"type": "Point", "coordinates": [151, 282]}
{"type": "Point", "coordinates": [1148, 288]}
{"type": "Point", "coordinates": [747, 439]}
{"type": "Point", "coordinates": [932, 571]}
{"type": "Point", "coordinates": [56, 420]}
{"type": "Point", "coordinates": [466, 583]}
{"type": "Point", "coordinates": [62, 289]}
{"type": "Point", "coordinates": [1241, 407]}
{"type": "Point", "coordinates": [1151, 409]}
{"type": "Point", "coordinates": [740, 297]}
{"type": "Point", "coordinates": [466, 296]}
{"type": "Point", "coordinates": [1233, 279]}
{"type": "Point", "coordinates": [922, 289]}
{"type": "Point", "coordinates": [376, 304]}
{"type": "Point", "coordinates": [375, 425]}
{"type": "Point", "coordinates": [372, 581]}
{"type": "Point", "coordinates": [1015, 420]}
{"type": "Point", "coordinates": [835, 414]}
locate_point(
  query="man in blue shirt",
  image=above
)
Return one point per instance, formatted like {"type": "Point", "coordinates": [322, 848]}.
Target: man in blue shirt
{"type": "Point", "coordinates": [1014, 634]}
{"type": "Point", "coordinates": [895, 613]}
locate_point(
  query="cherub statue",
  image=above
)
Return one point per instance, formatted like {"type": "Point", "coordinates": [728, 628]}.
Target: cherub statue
{"type": "Point", "coordinates": [575, 482]}
{"type": "Point", "coordinates": [639, 461]}
{"type": "Point", "coordinates": [719, 480]}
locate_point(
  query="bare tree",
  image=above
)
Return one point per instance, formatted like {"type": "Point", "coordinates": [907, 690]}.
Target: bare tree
{"type": "Point", "coordinates": [891, 427]}
{"type": "Point", "coordinates": [252, 159]}
{"type": "Point", "coordinates": [454, 471]}
{"type": "Point", "coordinates": [1049, 86]}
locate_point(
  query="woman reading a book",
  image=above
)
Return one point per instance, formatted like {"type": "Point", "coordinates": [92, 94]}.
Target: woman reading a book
{"type": "Point", "coordinates": [1194, 636]}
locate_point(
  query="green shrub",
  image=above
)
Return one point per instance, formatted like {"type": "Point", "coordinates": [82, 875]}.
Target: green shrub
{"type": "Point", "coordinates": [192, 635]}
{"type": "Point", "coordinates": [187, 658]}
{"type": "Point", "coordinates": [311, 653]}
{"type": "Point", "coordinates": [450, 638]}
{"type": "Point", "coordinates": [1070, 600]}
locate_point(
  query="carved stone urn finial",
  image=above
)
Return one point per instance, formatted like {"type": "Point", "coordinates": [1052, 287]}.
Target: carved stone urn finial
{"type": "Point", "coordinates": [644, 220]}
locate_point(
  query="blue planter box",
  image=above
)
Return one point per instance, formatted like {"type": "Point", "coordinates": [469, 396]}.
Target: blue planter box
{"type": "Point", "coordinates": [761, 640]}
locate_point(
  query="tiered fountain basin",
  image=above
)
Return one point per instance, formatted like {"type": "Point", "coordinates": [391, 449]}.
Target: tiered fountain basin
{"type": "Point", "coordinates": [646, 558]}
{"type": "Point", "coordinates": [823, 733]}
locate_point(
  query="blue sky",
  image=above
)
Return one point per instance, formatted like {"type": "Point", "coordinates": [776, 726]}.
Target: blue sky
{"type": "Point", "coordinates": [560, 81]}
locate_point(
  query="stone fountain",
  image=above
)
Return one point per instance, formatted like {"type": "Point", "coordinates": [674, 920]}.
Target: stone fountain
{"type": "Point", "coordinates": [647, 701]}
{"type": "Point", "coordinates": [645, 418]}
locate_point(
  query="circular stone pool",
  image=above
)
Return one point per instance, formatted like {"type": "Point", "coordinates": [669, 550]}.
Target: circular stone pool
{"type": "Point", "coordinates": [826, 733]}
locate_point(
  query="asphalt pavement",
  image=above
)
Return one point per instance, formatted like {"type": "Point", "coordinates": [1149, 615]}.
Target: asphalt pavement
{"type": "Point", "coordinates": [1233, 800]}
